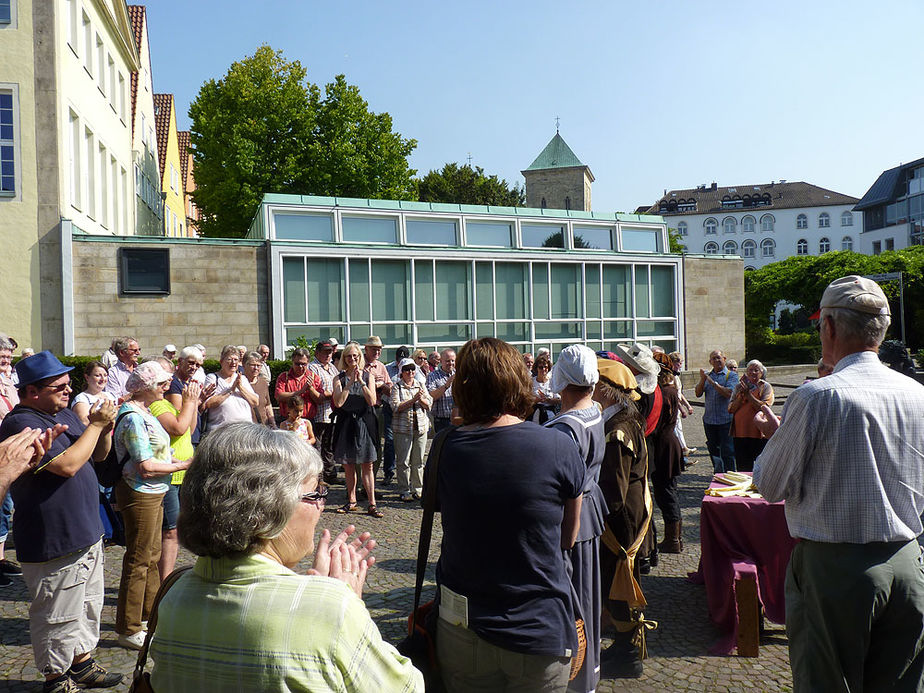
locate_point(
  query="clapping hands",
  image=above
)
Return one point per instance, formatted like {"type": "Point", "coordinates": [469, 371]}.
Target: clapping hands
{"type": "Point", "coordinates": [343, 560]}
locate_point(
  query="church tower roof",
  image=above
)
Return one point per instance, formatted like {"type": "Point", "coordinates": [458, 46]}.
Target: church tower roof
{"type": "Point", "coordinates": [557, 154]}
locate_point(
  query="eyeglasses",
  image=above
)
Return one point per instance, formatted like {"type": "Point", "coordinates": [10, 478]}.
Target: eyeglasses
{"type": "Point", "coordinates": [58, 388]}
{"type": "Point", "coordinates": [315, 496]}
{"type": "Point", "coordinates": [408, 369]}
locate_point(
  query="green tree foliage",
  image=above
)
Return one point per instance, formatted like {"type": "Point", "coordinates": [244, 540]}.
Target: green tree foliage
{"type": "Point", "coordinates": [264, 128]}
{"type": "Point", "coordinates": [675, 241]}
{"type": "Point", "coordinates": [802, 280]}
{"type": "Point", "coordinates": [468, 186]}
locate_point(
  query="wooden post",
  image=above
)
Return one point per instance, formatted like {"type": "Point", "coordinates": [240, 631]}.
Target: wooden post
{"type": "Point", "coordinates": [748, 616]}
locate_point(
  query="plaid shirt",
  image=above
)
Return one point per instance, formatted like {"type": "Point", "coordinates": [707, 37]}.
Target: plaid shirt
{"type": "Point", "coordinates": [442, 407]}
{"type": "Point", "coordinates": [326, 374]}
{"type": "Point", "coordinates": [717, 405]}
{"type": "Point", "coordinates": [848, 458]}
{"type": "Point", "coordinates": [403, 421]}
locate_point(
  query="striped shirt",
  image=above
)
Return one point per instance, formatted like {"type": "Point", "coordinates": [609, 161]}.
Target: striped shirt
{"type": "Point", "coordinates": [442, 407]}
{"type": "Point", "coordinates": [250, 624]}
{"type": "Point", "coordinates": [403, 421]}
{"type": "Point", "coordinates": [717, 405]}
{"type": "Point", "coordinates": [848, 458]}
{"type": "Point", "coordinates": [326, 374]}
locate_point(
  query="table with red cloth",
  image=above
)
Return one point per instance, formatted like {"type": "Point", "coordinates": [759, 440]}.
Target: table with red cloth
{"type": "Point", "coordinates": [741, 536]}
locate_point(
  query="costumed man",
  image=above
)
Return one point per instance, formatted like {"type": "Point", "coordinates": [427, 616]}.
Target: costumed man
{"type": "Point", "coordinates": [624, 482]}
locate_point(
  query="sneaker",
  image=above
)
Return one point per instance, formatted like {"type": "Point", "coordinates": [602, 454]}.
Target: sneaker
{"type": "Point", "coordinates": [135, 641]}
{"type": "Point", "coordinates": [8, 567]}
{"type": "Point", "coordinates": [61, 685]}
{"type": "Point", "coordinates": [94, 676]}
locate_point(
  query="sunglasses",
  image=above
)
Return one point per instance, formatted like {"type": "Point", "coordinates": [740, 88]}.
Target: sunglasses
{"type": "Point", "coordinates": [315, 496]}
{"type": "Point", "coordinates": [58, 388]}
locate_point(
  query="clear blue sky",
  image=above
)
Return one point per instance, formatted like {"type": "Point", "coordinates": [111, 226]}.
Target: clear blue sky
{"type": "Point", "coordinates": [651, 95]}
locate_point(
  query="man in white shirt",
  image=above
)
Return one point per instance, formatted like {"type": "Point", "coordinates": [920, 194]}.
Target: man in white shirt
{"type": "Point", "coordinates": [128, 353]}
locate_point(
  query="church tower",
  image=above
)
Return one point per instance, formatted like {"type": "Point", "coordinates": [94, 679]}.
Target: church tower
{"type": "Point", "coordinates": [557, 179]}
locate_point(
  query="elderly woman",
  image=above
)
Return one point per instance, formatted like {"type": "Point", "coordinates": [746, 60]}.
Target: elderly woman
{"type": "Point", "coordinates": [410, 404]}
{"type": "Point", "coordinates": [233, 399]}
{"type": "Point", "coordinates": [253, 371]}
{"type": "Point", "coordinates": [243, 619]}
{"type": "Point", "coordinates": [355, 427]}
{"type": "Point", "coordinates": [506, 620]}
{"type": "Point", "coordinates": [144, 445]}
{"type": "Point", "coordinates": [751, 394]}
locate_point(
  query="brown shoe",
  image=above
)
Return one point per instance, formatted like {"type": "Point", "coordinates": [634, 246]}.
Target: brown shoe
{"type": "Point", "coordinates": [94, 676]}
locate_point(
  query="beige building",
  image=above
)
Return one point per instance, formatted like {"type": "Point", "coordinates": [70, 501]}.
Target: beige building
{"type": "Point", "coordinates": [65, 69]}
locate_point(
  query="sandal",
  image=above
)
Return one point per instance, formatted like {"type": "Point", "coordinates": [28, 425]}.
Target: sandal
{"type": "Point", "coordinates": [374, 512]}
{"type": "Point", "coordinates": [347, 508]}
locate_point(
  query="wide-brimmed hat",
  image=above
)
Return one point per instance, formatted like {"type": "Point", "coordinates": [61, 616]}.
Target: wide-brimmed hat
{"type": "Point", "coordinates": [856, 293]}
{"type": "Point", "coordinates": [576, 365]}
{"type": "Point", "coordinates": [639, 357]}
{"type": "Point", "coordinates": [38, 367]}
{"type": "Point", "coordinates": [146, 376]}
{"type": "Point", "coordinates": [619, 375]}
{"type": "Point", "coordinates": [373, 341]}
{"type": "Point", "coordinates": [406, 363]}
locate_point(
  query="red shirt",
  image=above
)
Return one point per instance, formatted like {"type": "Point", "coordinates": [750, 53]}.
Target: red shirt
{"type": "Point", "coordinates": [287, 382]}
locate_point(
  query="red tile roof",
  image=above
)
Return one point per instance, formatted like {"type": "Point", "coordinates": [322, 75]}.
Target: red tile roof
{"type": "Point", "coordinates": [163, 108]}
{"type": "Point", "coordinates": [185, 153]}
{"type": "Point", "coordinates": [137, 15]}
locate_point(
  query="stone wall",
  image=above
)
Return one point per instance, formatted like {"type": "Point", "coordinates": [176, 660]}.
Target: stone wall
{"type": "Point", "coordinates": [713, 303]}
{"type": "Point", "coordinates": [555, 184]}
{"type": "Point", "coordinates": [219, 295]}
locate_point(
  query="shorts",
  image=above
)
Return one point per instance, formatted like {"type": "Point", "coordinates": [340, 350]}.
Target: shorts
{"type": "Point", "coordinates": [171, 507]}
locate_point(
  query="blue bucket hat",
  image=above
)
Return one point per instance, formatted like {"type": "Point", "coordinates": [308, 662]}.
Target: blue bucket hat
{"type": "Point", "coordinates": [38, 367]}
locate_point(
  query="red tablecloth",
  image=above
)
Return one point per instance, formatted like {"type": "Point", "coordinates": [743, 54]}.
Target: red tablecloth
{"type": "Point", "coordinates": [739, 536]}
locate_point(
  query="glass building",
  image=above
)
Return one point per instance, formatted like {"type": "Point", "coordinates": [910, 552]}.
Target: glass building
{"type": "Point", "coordinates": [435, 275]}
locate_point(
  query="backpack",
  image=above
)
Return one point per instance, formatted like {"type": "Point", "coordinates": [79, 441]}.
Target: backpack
{"type": "Point", "coordinates": [109, 470]}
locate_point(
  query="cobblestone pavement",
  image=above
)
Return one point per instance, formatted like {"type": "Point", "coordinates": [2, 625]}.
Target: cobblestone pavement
{"type": "Point", "coordinates": [678, 649]}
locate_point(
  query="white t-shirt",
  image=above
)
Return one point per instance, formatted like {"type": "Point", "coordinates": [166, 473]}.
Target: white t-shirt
{"type": "Point", "coordinates": [91, 400]}
{"type": "Point", "coordinates": [233, 409]}
{"type": "Point", "coordinates": [199, 376]}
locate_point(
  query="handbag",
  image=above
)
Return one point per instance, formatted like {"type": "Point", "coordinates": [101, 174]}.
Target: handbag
{"type": "Point", "coordinates": [141, 680]}
{"type": "Point", "coordinates": [109, 470]}
{"type": "Point", "coordinates": [420, 644]}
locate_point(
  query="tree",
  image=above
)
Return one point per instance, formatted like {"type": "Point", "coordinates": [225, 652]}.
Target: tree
{"type": "Point", "coordinates": [675, 241]}
{"type": "Point", "coordinates": [468, 186]}
{"type": "Point", "coordinates": [263, 128]}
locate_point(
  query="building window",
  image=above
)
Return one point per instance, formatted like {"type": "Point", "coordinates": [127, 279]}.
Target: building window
{"type": "Point", "coordinates": [711, 225]}
{"type": "Point", "coordinates": [74, 151]}
{"type": "Point", "coordinates": [801, 247]}
{"type": "Point", "coordinates": [846, 219]}
{"type": "Point", "coordinates": [682, 228]}
{"type": "Point", "coordinates": [729, 224]}
{"type": "Point", "coordinates": [101, 64]}
{"type": "Point", "coordinates": [890, 244]}
{"type": "Point", "coordinates": [730, 248]}
{"type": "Point", "coordinates": [877, 247]}
{"type": "Point", "coordinates": [122, 96]}
{"type": "Point", "coordinates": [767, 223]}
{"type": "Point", "coordinates": [87, 44]}
{"type": "Point", "coordinates": [712, 248]}
{"type": "Point", "coordinates": [90, 172]}
{"type": "Point", "coordinates": [144, 271]}
{"type": "Point", "coordinates": [6, 12]}
{"type": "Point", "coordinates": [824, 246]}
{"type": "Point", "coordinates": [103, 187]}
{"type": "Point", "coordinates": [767, 247]}
{"type": "Point", "coordinates": [748, 223]}
{"type": "Point", "coordinates": [748, 248]}
{"type": "Point", "coordinates": [846, 243]}
{"type": "Point", "coordinates": [748, 268]}
{"type": "Point", "coordinates": [824, 220]}
{"type": "Point", "coordinates": [174, 179]}
{"type": "Point", "coordinates": [801, 222]}
{"type": "Point", "coordinates": [7, 144]}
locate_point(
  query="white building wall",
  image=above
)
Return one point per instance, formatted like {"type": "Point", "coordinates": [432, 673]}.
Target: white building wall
{"type": "Point", "coordinates": [94, 67]}
{"type": "Point", "coordinates": [146, 175]}
{"type": "Point", "coordinates": [885, 239]}
{"type": "Point", "coordinates": [785, 234]}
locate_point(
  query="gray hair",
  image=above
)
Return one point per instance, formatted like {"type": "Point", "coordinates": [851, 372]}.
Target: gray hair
{"type": "Point", "coordinates": [763, 368]}
{"type": "Point", "coordinates": [866, 328]}
{"type": "Point", "coordinates": [300, 351]}
{"type": "Point", "coordinates": [242, 488]}
{"type": "Point", "coordinates": [252, 356]}
{"type": "Point", "coordinates": [227, 350]}
{"type": "Point", "coordinates": [190, 351]}
{"type": "Point", "coordinates": [6, 344]}
{"type": "Point", "coordinates": [122, 343]}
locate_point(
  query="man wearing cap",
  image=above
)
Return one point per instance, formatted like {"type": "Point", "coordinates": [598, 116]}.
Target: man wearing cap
{"type": "Point", "coordinates": [298, 380]}
{"type": "Point", "coordinates": [718, 386]}
{"type": "Point", "coordinates": [169, 352]}
{"type": "Point", "coordinates": [323, 367]}
{"type": "Point", "coordinates": [58, 530]}
{"type": "Point", "coordinates": [439, 385]}
{"type": "Point", "coordinates": [388, 454]}
{"type": "Point", "coordinates": [848, 459]}
{"type": "Point", "coordinates": [375, 368]}
{"type": "Point", "coordinates": [127, 352]}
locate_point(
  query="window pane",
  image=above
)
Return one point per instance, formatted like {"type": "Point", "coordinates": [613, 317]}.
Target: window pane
{"type": "Point", "coordinates": [325, 290]}
{"type": "Point", "coordinates": [617, 330]}
{"type": "Point", "coordinates": [311, 332]}
{"type": "Point", "coordinates": [293, 289]}
{"type": "Point", "coordinates": [360, 332]}
{"type": "Point", "coordinates": [359, 290]}
{"type": "Point", "coordinates": [444, 335]}
{"type": "Point", "coordinates": [558, 330]}
{"type": "Point", "coordinates": [423, 278]}
{"type": "Point", "coordinates": [492, 234]}
{"type": "Point", "coordinates": [594, 329]}
{"type": "Point", "coordinates": [616, 291]}
{"type": "Point", "coordinates": [484, 287]}
{"type": "Point", "coordinates": [484, 329]}
{"type": "Point", "coordinates": [641, 292]}
{"type": "Point", "coordinates": [513, 331]}
{"type": "Point", "coordinates": [640, 240]}
{"type": "Point", "coordinates": [592, 292]}
{"type": "Point", "coordinates": [431, 232]}
{"type": "Point", "coordinates": [395, 334]}
{"type": "Point", "coordinates": [566, 291]}
{"type": "Point", "coordinates": [304, 227]}
{"type": "Point", "coordinates": [370, 230]}
{"type": "Point", "coordinates": [662, 291]}
{"type": "Point", "coordinates": [650, 328]}
{"type": "Point", "coordinates": [542, 236]}
{"type": "Point", "coordinates": [390, 299]}
{"type": "Point", "coordinates": [540, 291]}
{"type": "Point", "coordinates": [594, 237]}
{"type": "Point", "coordinates": [510, 290]}
{"type": "Point", "coordinates": [452, 294]}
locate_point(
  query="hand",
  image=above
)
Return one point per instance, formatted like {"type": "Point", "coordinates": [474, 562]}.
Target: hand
{"type": "Point", "coordinates": [102, 415]}
{"type": "Point", "coordinates": [702, 375]}
{"type": "Point", "coordinates": [19, 453]}
{"type": "Point", "coordinates": [450, 379]}
{"type": "Point", "coordinates": [182, 464]}
{"type": "Point", "coordinates": [192, 391]}
{"type": "Point", "coordinates": [208, 391]}
{"type": "Point", "coordinates": [329, 559]}
{"type": "Point", "coordinates": [328, 394]}
{"type": "Point", "coordinates": [236, 383]}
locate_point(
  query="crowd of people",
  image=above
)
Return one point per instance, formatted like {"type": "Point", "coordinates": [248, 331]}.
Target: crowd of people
{"type": "Point", "coordinates": [566, 459]}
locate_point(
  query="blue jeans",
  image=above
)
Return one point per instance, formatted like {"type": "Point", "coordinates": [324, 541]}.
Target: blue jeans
{"type": "Point", "coordinates": [6, 517]}
{"type": "Point", "coordinates": [721, 447]}
{"type": "Point", "coordinates": [388, 456]}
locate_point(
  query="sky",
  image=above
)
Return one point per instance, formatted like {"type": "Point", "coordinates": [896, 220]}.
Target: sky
{"type": "Point", "coordinates": [651, 94]}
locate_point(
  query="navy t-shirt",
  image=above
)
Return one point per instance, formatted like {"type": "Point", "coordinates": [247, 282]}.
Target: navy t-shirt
{"type": "Point", "coordinates": [55, 515]}
{"type": "Point", "coordinates": [176, 388]}
{"type": "Point", "coordinates": [502, 493]}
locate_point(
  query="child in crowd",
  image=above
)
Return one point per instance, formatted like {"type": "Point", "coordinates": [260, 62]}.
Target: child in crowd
{"type": "Point", "coordinates": [295, 422]}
